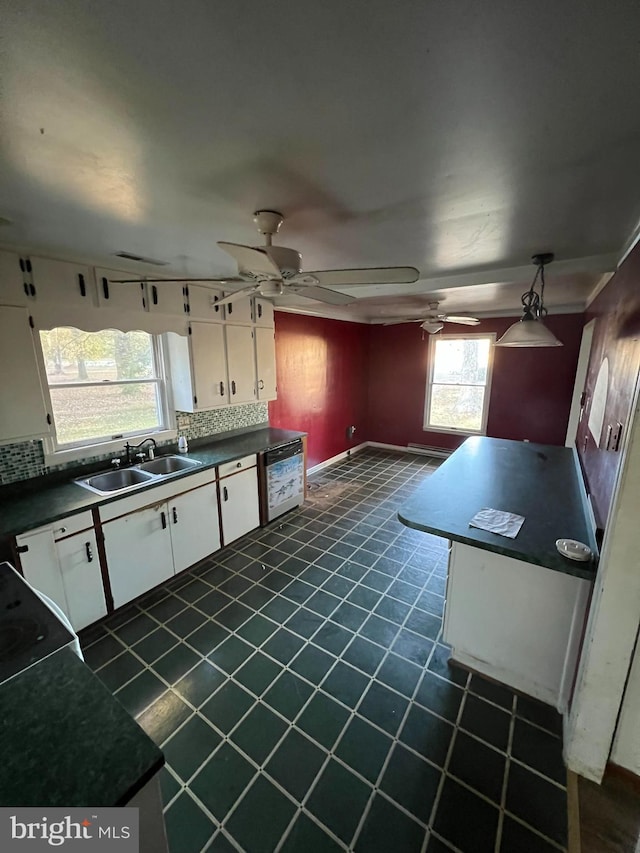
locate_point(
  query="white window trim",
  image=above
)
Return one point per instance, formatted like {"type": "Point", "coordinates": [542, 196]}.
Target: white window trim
{"type": "Point", "coordinates": [487, 386]}
{"type": "Point", "coordinates": [59, 455]}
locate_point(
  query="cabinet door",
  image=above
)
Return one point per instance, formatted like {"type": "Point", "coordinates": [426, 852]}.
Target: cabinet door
{"type": "Point", "coordinates": [23, 413]}
{"type": "Point", "coordinates": [209, 365]}
{"type": "Point", "coordinates": [124, 297]}
{"type": "Point", "coordinates": [241, 364]}
{"type": "Point", "coordinates": [239, 504]}
{"type": "Point", "coordinates": [14, 281]}
{"type": "Point", "coordinates": [202, 302]}
{"type": "Point", "coordinates": [40, 565]}
{"type": "Point", "coordinates": [240, 311]}
{"type": "Point", "coordinates": [195, 528]}
{"type": "Point", "coordinates": [63, 283]}
{"type": "Point", "coordinates": [82, 578]}
{"type": "Point", "coordinates": [263, 312]}
{"type": "Point", "coordinates": [266, 363]}
{"type": "Point", "coordinates": [167, 297]}
{"type": "Point", "coordinates": [138, 548]}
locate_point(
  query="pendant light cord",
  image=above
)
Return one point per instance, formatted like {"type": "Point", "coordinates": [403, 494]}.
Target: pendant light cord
{"type": "Point", "coordinates": [533, 301]}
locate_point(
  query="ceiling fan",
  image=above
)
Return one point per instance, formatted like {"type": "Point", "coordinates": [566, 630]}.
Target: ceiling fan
{"type": "Point", "coordinates": [276, 271]}
{"type": "Point", "coordinates": [434, 321]}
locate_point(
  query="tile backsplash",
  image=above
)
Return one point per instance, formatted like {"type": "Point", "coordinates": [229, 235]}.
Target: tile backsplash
{"type": "Point", "coordinates": [25, 459]}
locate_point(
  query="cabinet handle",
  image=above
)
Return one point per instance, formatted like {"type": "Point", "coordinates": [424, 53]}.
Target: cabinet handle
{"type": "Point", "coordinates": [174, 512]}
{"type": "Point", "coordinates": [87, 545]}
{"type": "Point", "coordinates": [26, 288]}
{"type": "Point", "coordinates": [163, 519]}
{"type": "Point", "coordinates": [154, 294]}
{"type": "Point", "coordinates": [261, 384]}
{"type": "Point", "coordinates": [32, 290]}
{"type": "Point", "coordinates": [62, 530]}
{"type": "Point", "coordinates": [233, 386]}
{"type": "Point", "coordinates": [225, 493]}
{"type": "Point", "coordinates": [222, 389]}
{"type": "Point", "coordinates": [105, 288]}
{"type": "Point", "coordinates": [81, 284]}
{"type": "Point", "coordinates": [238, 464]}
{"type": "Point", "coordinates": [22, 549]}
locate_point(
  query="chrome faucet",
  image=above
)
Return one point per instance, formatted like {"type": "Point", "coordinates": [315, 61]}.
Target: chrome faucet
{"type": "Point", "coordinates": [129, 447]}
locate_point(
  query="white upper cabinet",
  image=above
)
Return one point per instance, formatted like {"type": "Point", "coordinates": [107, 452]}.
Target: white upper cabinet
{"type": "Point", "coordinates": [240, 311]}
{"type": "Point", "coordinates": [23, 412]}
{"type": "Point", "coordinates": [263, 312]}
{"type": "Point", "coordinates": [198, 368]}
{"type": "Point", "coordinates": [123, 297]}
{"type": "Point", "coordinates": [61, 282]}
{"type": "Point", "coordinates": [265, 363]}
{"type": "Point", "coordinates": [167, 297]}
{"type": "Point", "coordinates": [15, 279]}
{"type": "Point", "coordinates": [241, 363]}
{"type": "Point", "coordinates": [202, 301]}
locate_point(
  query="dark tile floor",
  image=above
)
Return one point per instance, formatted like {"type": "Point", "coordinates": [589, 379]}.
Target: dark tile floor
{"type": "Point", "coordinates": [298, 689]}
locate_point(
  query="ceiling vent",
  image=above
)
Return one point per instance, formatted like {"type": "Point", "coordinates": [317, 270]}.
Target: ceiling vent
{"type": "Point", "coordinates": [129, 256]}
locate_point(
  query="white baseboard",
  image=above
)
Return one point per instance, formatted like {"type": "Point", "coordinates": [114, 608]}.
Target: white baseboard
{"type": "Point", "coordinates": [339, 457]}
{"type": "Point", "coordinates": [412, 448]}
{"type": "Point", "coordinates": [420, 451]}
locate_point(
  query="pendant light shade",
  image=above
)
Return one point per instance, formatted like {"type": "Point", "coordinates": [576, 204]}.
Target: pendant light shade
{"type": "Point", "coordinates": [530, 331]}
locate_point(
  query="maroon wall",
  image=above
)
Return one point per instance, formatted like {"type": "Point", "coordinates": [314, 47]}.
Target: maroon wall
{"type": "Point", "coordinates": [531, 389]}
{"type": "Point", "coordinates": [616, 336]}
{"type": "Point", "coordinates": [322, 382]}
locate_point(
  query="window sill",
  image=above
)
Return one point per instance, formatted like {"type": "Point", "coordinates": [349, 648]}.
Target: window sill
{"type": "Point", "coordinates": [54, 458]}
{"type": "Point", "coordinates": [451, 431]}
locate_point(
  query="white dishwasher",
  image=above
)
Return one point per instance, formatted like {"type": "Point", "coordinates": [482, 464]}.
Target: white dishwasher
{"type": "Point", "coordinates": [284, 478]}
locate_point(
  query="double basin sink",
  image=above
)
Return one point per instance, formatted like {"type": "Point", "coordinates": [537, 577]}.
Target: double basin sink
{"type": "Point", "coordinates": [126, 479]}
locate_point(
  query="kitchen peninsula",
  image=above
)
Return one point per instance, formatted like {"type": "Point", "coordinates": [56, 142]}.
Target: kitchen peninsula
{"type": "Point", "coordinates": [515, 608]}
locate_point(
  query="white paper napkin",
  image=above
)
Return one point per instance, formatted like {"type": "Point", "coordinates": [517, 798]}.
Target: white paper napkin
{"type": "Point", "coordinates": [496, 521]}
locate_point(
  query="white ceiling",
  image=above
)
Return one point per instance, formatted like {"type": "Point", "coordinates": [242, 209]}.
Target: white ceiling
{"type": "Point", "coordinates": [458, 137]}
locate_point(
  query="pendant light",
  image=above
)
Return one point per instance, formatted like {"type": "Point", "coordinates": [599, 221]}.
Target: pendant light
{"type": "Point", "coordinates": [530, 331]}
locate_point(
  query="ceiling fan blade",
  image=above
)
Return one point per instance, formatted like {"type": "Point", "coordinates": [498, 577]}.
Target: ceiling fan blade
{"type": "Point", "coordinates": [256, 260]}
{"type": "Point", "coordinates": [223, 279]}
{"type": "Point", "coordinates": [373, 275]}
{"type": "Point", "coordinates": [321, 294]}
{"type": "Point", "coordinates": [243, 293]}
{"type": "Point", "coordinates": [404, 320]}
{"type": "Point", "coordinates": [462, 321]}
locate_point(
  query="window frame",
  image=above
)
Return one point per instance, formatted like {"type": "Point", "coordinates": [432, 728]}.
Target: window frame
{"type": "Point", "coordinates": [433, 339]}
{"type": "Point", "coordinates": [58, 454]}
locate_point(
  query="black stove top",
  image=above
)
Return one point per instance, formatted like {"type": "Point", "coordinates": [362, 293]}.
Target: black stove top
{"type": "Point", "coordinates": [29, 630]}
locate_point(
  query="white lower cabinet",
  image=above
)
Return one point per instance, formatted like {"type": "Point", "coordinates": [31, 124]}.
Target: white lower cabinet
{"type": "Point", "coordinates": [239, 505]}
{"type": "Point", "coordinates": [66, 570]}
{"type": "Point", "coordinates": [138, 549]}
{"type": "Point", "coordinates": [150, 545]}
{"type": "Point", "coordinates": [82, 578]}
{"type": "Point", "coordinates": [195, 530]}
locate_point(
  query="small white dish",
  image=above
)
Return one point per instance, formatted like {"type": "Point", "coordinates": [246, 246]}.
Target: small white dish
{"type": "Point", "coordinates": [574, 550]}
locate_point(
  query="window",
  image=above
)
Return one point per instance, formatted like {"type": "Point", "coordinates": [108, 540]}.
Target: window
{"type": "Point", "coordinates": [458, 383]}
{"type": "Point", "coordinates": [103, 385]}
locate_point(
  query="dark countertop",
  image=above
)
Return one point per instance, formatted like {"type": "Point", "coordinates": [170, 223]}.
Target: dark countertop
{"type": "Point", "coordinates": [28, 505]}
{"type": "Point", "coordinates": [65, 741]}
{"type": "Point", "coordinates": [538, 481]}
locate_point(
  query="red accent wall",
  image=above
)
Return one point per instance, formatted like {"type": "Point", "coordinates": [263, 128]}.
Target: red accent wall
{"type": "Point", "coordinates": [616, 337]}
{"type": "Point", "coordinates": [531, 389]}
{"type": "Point", "coordinates": [322, 382]}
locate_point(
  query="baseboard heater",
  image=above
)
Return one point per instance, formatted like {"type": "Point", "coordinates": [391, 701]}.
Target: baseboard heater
{"type": "Point", "coordinates": [429, 451]}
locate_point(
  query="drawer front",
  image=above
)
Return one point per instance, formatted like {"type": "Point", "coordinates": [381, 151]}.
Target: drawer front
{"type": "Point", "coordinates": [64, 527]}
{"type": "Point", "coordinates": [72, 524]}
{"type": "Point", "coordinates": [238, 465]}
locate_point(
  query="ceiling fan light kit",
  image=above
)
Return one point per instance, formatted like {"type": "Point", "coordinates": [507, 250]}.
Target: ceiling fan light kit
{"type": "Point", "coordinates": [274, 271]}
{"type": "Point", "coordinates": [530, 331]}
